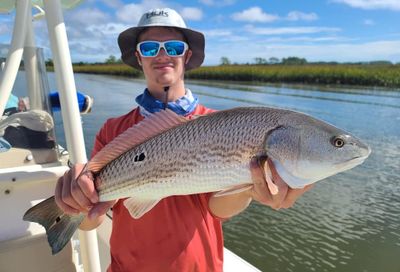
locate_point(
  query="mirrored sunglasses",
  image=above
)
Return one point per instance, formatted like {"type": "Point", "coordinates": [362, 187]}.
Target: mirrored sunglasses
{"type": "Point", "coordinates": [152, 48]}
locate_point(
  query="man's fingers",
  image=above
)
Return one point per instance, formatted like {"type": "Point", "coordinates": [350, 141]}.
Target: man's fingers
{"type": "Point", "coordinates": [261, 191]}
{"type": "Point", "coordinates": [86, 184]}
{"type": "Point", "coordinates": [270, 189]}
{"type": "Point", "coordinates": [58, 198]}
{"type": "Point", "coordinates": [66, 195]}
{"type": "Point", "coordinates": [75, 192]}
{"type": "Point", "coordinates": [267, 190]}
{"type": "Point", "coordinates": [71, 194]}
{"type": "Point", "coordinates": [293, 195]}
{"type": "Point", "coordinates": [256, 171]}
{"type": "Point", "coordinates": [79, 196]}
{"type": "Point", "coordinates": [100, 208]}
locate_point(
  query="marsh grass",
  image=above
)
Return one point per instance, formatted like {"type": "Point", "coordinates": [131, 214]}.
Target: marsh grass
{"type": "Point", "coordinates": [361, 75]}
{"type": "Point", "coordinates": [107, 69]}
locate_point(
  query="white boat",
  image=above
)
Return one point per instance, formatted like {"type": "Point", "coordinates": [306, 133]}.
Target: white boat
{"type": "Point", "coordinates": [29, 169]}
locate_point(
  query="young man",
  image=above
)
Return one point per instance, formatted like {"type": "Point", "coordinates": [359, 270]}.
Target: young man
{"type": "Point", "coordinates": [181, 233]}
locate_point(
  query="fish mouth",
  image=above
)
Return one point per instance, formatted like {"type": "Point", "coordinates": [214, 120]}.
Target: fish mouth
{"type": "Point", "coordinates": [361, 158]}
{"type": "Point", "coordinates": [358, 159]}
{"type": "Point", "coordinates": [352, 162]}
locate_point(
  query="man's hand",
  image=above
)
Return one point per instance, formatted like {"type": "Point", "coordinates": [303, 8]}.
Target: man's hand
{"type": "Point", "coordinates": [274, 193]}
{"type": "Point", "coordinates": [270, 192]}
{"type": "Point", "coordinates": [75, 193]}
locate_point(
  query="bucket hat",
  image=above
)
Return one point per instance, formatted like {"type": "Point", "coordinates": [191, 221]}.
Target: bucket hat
{"type": "Point", "coordinates": [128, 39]}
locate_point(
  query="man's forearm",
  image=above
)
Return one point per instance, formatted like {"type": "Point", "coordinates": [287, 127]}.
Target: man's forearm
{"type": "Point", "coordinates": [230, 205]}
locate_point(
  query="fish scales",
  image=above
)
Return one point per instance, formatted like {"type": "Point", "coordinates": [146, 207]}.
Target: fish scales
{"type": "Point", "coordinates": [192, 156]}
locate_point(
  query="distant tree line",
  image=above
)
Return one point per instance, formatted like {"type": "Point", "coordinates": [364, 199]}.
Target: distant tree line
{"type": "Point", "coordinates": [257, 61]}
{"type": "Point", "coordinates": [300, 61]}
{"type": "Point", "coordinates": [110, 60]}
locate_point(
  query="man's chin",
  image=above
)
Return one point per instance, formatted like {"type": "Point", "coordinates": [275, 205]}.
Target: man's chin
{"type": "Point", "coordinates": [165, 80]}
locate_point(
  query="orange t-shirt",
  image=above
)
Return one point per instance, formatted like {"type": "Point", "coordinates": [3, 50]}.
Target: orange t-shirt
{"type": "Point", "coordinates": [178, 234]}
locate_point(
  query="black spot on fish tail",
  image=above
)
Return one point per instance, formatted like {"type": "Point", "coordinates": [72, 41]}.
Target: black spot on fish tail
{"type": "Point", "coordinates": [60, 234]}
{"type": "Point", "coordinates": [59, 226]}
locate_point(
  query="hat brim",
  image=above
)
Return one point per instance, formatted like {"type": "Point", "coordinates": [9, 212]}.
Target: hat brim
{"type": "Point", "coordinates": [127, 42]}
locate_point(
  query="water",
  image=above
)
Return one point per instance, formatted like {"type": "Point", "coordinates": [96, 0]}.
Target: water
{"type": "Point", "coordinates": [349, 222]}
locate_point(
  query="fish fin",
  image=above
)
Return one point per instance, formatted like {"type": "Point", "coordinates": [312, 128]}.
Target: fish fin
{"type": "Point", "coordinates": [272, 187]}
{"type": "Point", "coordinates": [234, 190]}
{"type": "Point", "coordinates": [59, 226]}
{"type": "Point", "coordinates": [263, 163]}
{"type": "Point", "coordinates": [151, 126]}
{"type": "Point", "coordinates": [138, 207]}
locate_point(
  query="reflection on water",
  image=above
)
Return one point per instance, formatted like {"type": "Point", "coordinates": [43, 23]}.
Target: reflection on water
{"type": "Point", "coordinates": [349, 222]}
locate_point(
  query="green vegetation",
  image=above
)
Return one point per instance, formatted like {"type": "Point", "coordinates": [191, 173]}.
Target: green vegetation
{"type": "Point", "coordinates": [367, 75]}
{"type": "Point", "coordinates": [273, 70]}
{"type": "Point", "coordinates": [107, 69]}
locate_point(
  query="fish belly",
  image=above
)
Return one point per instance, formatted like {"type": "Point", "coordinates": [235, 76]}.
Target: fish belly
{"type": "Point", "coordinates": [198, 180]}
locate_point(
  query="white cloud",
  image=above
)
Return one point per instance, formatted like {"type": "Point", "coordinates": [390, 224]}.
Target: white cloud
{"type": "Point", "coordinates": [298, 16]}
{"type": "Point", "coordinates": [87, 16]}
{"type": "Point", "coordinates": [288, 30]}
{"type": "Point", "coordinates": [113, 3]}
{"type": "Point", "coordinates": [218, 19]}
{"type": "Point", "coordinates": [108, 29]}
{"type": "Point", "coordinates": [190, 13]}
{"type": "Point", "coordinates": [254, 14]}
{"type": "Point", "coordinates": [307, 39]}
{"type": "Point", "coordinates": [217, 33]}
{"type": "Point", "coordinates": [131, 13]}
{"type": "Point", "coordinates": [369, 22]}
{"type": "Point", "coordinates": [219, 3]}
{"type": "Point", "coordinates": [342, 52]}
{"type": "Point", "coordinates": [371, 4]}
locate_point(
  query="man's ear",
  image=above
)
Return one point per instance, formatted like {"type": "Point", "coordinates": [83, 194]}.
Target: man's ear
{"type": "Point", "coordinates": [188, 56]}
{"type": "Point", "coordinates": [139, 60]}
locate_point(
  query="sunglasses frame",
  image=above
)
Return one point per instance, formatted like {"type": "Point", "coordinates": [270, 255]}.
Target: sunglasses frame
{"type": "Point", "coordinates": [162, 45]}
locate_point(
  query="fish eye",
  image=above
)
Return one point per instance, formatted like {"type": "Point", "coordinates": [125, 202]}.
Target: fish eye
{"type": "Point", "coordinates": [338, 141]}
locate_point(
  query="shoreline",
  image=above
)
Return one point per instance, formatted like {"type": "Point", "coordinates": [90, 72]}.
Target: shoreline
{"type": "Point", "coordinates": [382, 76]}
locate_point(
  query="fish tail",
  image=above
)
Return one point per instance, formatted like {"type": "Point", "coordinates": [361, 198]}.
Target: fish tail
{"type": "Point", "coordinates": [59, 226]}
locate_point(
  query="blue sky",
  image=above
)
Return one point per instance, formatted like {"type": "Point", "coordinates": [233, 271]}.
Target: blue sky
{"type": "Point", "coordinates": [318, 30]}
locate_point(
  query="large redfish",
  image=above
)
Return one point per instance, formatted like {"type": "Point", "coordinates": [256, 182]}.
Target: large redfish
{"type": "Point", "coordinates": [167, 155]}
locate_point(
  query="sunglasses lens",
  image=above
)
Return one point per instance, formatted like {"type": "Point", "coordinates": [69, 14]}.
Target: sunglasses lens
{"type": "Point", "coordinates": [149, 49]}
{"type": "Point", "coordinates": [175, 48]}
